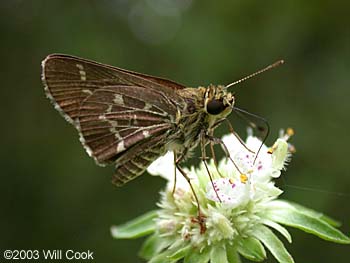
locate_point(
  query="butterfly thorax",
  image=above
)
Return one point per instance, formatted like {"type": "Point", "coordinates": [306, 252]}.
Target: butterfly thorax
{"type": "Point", "coordinates": [202, 109]}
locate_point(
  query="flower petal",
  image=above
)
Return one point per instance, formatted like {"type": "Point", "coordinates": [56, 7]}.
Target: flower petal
{"type": "Point", "coordinates": [232, 144]}
{"type": "Point", "coordinates": [162, 165]}
{"type": "Point", "coordinates": [228, 192]}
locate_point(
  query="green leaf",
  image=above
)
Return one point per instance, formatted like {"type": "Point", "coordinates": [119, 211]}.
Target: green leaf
{"type": "Point", "coordinates": [180, 253]}
{"type": "Point", "coordinates": [305, 210]}
{"type": "Point", "coordinates": [271, 241]}
{"type": "Point", "coordinates": [153, 245]}
{"type": "Point", "coordinates": [173, 253]}
{"type": "Point", "coordinates": [218, 254]}
{"type": "Point", "coordinates": [232, 254]}
{"type": "Point", "coordinates": [251, 249]}
{"type": "Point", "coordinates": [150, 247]}
{"type": "Point", "coordinates": [138, 227]}
{"type": "Point", "coordinates": [284, 232]}
{"type": "Point", "coordinates": [163, 258]}
{"type": "Point", "coordinates": [197, 257]}
{"type": "Point", "coordinates": [289, 216]}
{"type": "Point", "coordinates": [330, 221]}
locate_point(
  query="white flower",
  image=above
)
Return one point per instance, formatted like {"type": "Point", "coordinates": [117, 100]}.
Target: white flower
{"type": "Point", "coordinates": [238, 209]}
{"type": "Point", "coordinates": [253, 181]}
{"type": "Point", "coordinates": [164, 166]}
{"type": "Point", "coordinates": [231, 205]}
{"type": "Point", "coordinates": [229, 192]}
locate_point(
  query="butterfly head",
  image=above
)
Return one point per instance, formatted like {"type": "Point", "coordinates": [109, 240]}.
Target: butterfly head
{"type": "Point", "coordinates": [218, 102]}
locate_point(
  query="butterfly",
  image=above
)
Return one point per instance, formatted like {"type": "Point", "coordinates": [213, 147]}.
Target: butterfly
{"type": "Point", "coordinates": [129, 119]}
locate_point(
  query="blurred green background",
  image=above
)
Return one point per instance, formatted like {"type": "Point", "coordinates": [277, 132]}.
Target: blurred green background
{"type": "Point", "coordinates": [53, 196]}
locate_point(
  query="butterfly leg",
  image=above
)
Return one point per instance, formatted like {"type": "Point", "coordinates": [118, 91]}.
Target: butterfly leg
{"type": "Point", "coordinates": [213, 141]}
{"type": "Point", "coordinates": [204, 160]}
{"type": "Point", "coordinates": [227, 153]}
{"type": "Point", "coordinates": [174, 186]}
{"type": "Point", "coordinates": [213, 155]}
{"type": "Point", "coordinates": [232, 131]}
{"type": "Point", "coordinates": [200, 217]}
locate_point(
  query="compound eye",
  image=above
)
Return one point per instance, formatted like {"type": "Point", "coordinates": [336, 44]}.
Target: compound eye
{"type": "Point", "coordinates": [215, 107]}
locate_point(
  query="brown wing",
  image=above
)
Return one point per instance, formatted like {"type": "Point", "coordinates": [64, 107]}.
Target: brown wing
{"type": "Point", "coordinates": [113, 119]}
{"type": "Point", "coordinates": [122, 116]}
{"type": "Point", "coordinates": [134, 161]}
{"type": "Point", "coordinates": [69, 80]}
{"type": "Point", "coordinates": [116, 125]}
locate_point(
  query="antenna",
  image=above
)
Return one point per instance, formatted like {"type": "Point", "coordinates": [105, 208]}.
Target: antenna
{"type": "Point", "coordinates": [276, 64]}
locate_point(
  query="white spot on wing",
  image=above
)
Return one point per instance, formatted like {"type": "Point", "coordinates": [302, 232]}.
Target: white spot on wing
{"type": "Point", "coordinates": [82, 75]}
{"type": "Point", "coordinates": [81, 71]}
{"type": "Point", "coordinates": [135, 119]}
{"type": "Point", "coordinates": [117, 135]}
{"type": "Point", "coordinates": [87, 91]}
{"type": "Point", "coordinates": [118, 99]}
{"type": "Point", "coordinates": [148, 106]}
{"type": "Point", "coordinates": [120, 147]}
{"type": "Point", "coordinates": [145, 133]}
{"type": "Point", "coordinates": [113, 123]}
{"type": "Point", "coordinates": [115, 132]}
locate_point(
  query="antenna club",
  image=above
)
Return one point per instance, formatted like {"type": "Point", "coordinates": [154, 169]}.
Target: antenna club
{"type": "Point", "coordinates": [280, 62]}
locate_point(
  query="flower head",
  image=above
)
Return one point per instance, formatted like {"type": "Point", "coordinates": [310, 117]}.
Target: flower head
{"type": "Point", "coordinates": [238, 208]}
{"type": "Point", "coordinates": [232, 206]}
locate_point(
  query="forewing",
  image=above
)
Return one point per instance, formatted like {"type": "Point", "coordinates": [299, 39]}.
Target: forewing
{"type": "Point", "coordinates": [120, 115]}
{"type": "Point", "coordinates": [70, 80]}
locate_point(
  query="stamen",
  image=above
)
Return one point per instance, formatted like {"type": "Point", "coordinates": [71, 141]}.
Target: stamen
{"type": "Point", "coordinates": [290, 132]}
{"type": "Point", "coordinates": [271, 150]}
{"type": "Point", "coordinates": [243, 178]}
